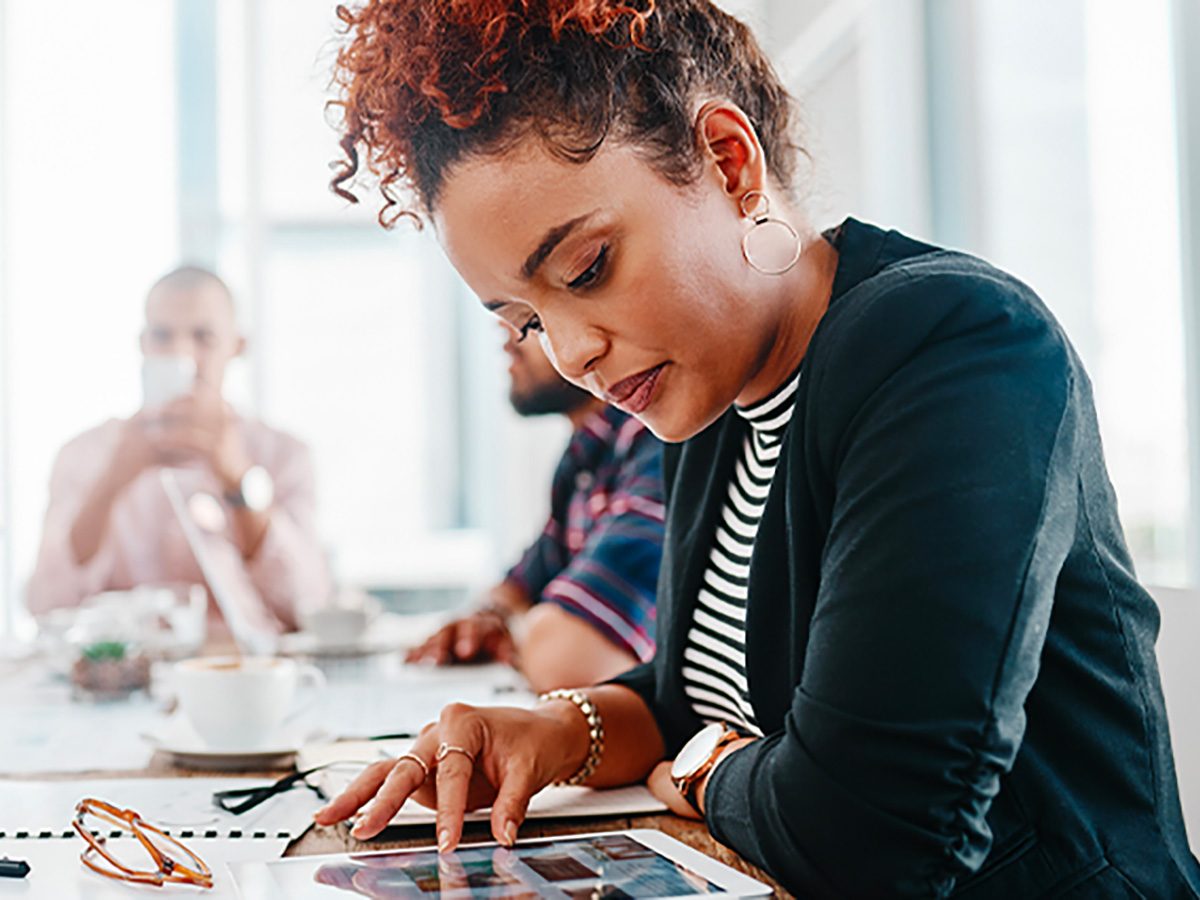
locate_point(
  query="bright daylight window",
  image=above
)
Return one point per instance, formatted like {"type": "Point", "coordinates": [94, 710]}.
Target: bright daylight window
{"type": "Point", "coordinates": [195, 131]}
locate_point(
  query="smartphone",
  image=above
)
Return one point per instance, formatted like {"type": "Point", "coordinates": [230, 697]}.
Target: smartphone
{"type": "Point", "coordinates": [166, 377]}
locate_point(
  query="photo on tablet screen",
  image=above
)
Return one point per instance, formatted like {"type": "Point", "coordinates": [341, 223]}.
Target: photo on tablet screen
{"type": "Point", "coordinates": [586, 867]}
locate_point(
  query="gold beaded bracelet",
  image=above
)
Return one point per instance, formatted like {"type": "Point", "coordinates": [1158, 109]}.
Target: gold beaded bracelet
{"type": "Point", "coordinates": [595, 732]}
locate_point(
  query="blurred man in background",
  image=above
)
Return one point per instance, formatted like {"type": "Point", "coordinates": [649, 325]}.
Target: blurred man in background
{"type": "Point", "coordinates": [579, 606]}
{"type": "Point", "coordinates": [110, 524]}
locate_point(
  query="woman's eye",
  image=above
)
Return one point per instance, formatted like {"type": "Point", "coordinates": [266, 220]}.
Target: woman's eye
{"type": "Point", "coordinates": [533, 324]}
{"type": "Point", "coordinates": [591, 273]}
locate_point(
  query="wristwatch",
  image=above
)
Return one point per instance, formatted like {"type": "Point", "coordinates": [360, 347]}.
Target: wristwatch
{"type": "Point", "coordinates": [255, 491]}
{"type": "Point", "coordinates": [698, 757]}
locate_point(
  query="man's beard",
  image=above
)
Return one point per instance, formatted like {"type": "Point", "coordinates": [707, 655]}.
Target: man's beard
{"type": "Point", "coordinates": [550, 397]}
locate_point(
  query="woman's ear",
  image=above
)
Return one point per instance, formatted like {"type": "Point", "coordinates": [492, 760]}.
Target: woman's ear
{"type": "Point", "coordinates": [731, 147]}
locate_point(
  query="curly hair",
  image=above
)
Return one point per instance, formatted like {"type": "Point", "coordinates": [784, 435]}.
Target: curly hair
{"type": "Point", "coordinates": [426, 84]}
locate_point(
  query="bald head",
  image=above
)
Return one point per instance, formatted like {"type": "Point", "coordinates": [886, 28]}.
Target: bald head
{"type": "Point", "coordinates": [191, 279]}
{"type": "Point", "coordinates": [189, 312]}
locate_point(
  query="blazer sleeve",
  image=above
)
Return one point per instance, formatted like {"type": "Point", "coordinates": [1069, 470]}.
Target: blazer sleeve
{"type": "Point", "coordinates": [948, 440]}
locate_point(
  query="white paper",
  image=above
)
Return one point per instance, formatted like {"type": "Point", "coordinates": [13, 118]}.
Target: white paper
{"type": "Point", "coordinates": [557, 802]}
{"type": "Point", "coordinates": [55, 872]}
{"type": "Point", "coordinates": [412, 696]}
{"type": "Point", "coordinates": [174, 804]}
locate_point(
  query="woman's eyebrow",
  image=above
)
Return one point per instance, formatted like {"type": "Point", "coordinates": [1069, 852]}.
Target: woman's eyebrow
{"type": "Point", "coordinates": [552, 239]}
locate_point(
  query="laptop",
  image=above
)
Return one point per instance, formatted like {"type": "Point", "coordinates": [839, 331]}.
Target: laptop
{"type": "Point", "coordinates": [251, 639]}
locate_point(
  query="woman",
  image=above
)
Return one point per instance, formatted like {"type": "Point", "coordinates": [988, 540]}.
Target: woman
{"type": "Point", "coordinates": [935, 673]}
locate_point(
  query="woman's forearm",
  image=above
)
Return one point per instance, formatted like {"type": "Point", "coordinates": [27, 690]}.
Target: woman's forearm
{"type": "Point", "coordinates": [632, 742]}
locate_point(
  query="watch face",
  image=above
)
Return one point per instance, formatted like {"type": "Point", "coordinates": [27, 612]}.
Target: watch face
{"type": "Point", "coordinates": [697, 751]}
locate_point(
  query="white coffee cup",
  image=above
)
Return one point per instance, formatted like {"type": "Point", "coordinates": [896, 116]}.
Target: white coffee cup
{"type": "Point", "coordinates": [165, 378]}
{"type": "Point", "coordinates": [238, 703]}
{"type": "Point", "coordinates": [344, 621]}
{"type": "Point", "coordinates": [337, 626]}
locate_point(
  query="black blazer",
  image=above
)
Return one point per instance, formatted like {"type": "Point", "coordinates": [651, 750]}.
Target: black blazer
{"type": "Point", "coordinates": [946, 645]}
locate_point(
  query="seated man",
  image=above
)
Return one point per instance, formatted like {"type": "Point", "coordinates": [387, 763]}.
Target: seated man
{"type": "Point", "coordinates": [579, 606]}
{"type": "Point", "coordinates": [110, 524]}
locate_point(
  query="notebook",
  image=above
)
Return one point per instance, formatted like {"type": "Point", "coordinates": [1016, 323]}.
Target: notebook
{"type": "Point", "coordinates": [182, 807]}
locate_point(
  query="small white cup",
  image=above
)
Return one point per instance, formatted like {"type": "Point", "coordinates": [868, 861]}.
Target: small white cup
{"type": "Point", "coordinates": [337, 626]}
{"type": "Point", "coordinates": [343, 622]}
{"type": "Point", "coordinates": [238, 703]}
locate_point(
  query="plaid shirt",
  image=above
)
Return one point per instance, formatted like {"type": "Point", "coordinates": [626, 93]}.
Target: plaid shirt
{"type": "Point", "coordinates": [599, 553]}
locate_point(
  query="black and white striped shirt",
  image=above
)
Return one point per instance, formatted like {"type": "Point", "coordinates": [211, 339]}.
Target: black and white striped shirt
{"type": "Point", "coordinates": [714, 669]}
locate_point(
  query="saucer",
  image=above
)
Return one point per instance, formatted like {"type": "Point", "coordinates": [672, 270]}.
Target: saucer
{"type": "Point", "coordinates": [176, 736]}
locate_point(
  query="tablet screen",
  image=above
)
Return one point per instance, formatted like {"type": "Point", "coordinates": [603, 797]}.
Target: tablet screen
{"type": "Point", "coordinates": [613, 866]}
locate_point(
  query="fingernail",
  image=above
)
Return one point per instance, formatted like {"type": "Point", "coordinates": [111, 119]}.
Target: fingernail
{"type": "Point", "coordinates": [443, 840]}
{"type": "Point", "coordinates": [462, 648]}
{"type": "Point", "coordinates": [510, 833]}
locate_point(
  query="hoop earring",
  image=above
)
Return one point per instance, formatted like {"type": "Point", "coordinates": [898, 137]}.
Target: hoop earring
{"type": "Point", "coordinates": [771, 246]}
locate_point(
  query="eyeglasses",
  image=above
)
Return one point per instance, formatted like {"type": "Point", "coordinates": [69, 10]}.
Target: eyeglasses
{"type": "Point", "coordinates": [166, 860]}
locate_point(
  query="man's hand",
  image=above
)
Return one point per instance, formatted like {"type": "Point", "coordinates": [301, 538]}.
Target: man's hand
{"type": "Point", "coordinates": [135, 451]}
{"type": "Point", "coordinates": [480, 637]}
{"type": "Point", "coordinates": [201, 426]}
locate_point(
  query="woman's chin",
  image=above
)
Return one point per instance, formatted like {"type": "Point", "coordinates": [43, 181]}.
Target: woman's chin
{"type": "Point", "coordinates": [673, 428]}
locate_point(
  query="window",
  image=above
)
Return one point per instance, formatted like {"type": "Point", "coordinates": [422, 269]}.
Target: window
{"type": "Point", "coordinates": [196, 131]}
{"type": "Point", "coordinates": [89, 198]}
{"type": "Point", "coordinates": [1018, 131]}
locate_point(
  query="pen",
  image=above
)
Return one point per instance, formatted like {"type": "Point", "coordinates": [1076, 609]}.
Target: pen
{"type": "Point", "coordinates": [13, 868]}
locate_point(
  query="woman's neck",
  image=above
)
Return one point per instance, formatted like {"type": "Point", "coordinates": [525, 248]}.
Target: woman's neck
{"type": "Point", "coordinates": [801, 295]}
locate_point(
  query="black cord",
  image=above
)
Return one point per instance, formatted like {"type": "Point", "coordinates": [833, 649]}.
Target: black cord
{"type": "Point", "coordinates": [240, 800]}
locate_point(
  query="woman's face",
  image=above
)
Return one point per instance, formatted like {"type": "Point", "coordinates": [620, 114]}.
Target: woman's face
{"type": "Point", "coordinates": [637, 287]}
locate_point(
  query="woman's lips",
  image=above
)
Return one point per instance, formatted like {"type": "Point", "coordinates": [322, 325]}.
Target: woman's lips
{"type": "Point", "coordinates": [633, 394]}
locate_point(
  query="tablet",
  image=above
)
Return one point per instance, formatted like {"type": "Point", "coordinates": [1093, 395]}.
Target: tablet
{"type": "Point", "coordinates": [614, 865]}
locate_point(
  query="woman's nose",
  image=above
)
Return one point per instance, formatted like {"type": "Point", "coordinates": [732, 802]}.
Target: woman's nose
{"type": "Point", "coordinates": [574, 349]}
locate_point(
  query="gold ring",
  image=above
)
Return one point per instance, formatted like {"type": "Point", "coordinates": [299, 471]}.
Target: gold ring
{"type": "Point", "coordinates": [445, 750]}
{"type": "Point", "coordinates": [412, 757]}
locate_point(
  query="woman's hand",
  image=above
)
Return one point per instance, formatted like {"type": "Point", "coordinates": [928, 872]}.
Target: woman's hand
{"type": "Point", "coordinates": [475, 757]}
{"type": "Point", "coordinates": [662, 787]}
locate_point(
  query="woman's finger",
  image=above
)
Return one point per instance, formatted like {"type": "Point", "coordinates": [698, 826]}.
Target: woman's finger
{"type": "Point", "coordinates": [512, 800]}
{"type": "Point", "coordinates": [405, 777]}
{"type": "Point", "coordinates": [361, 790]}
{"type": "Point", "coordinates": [456, 754]}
